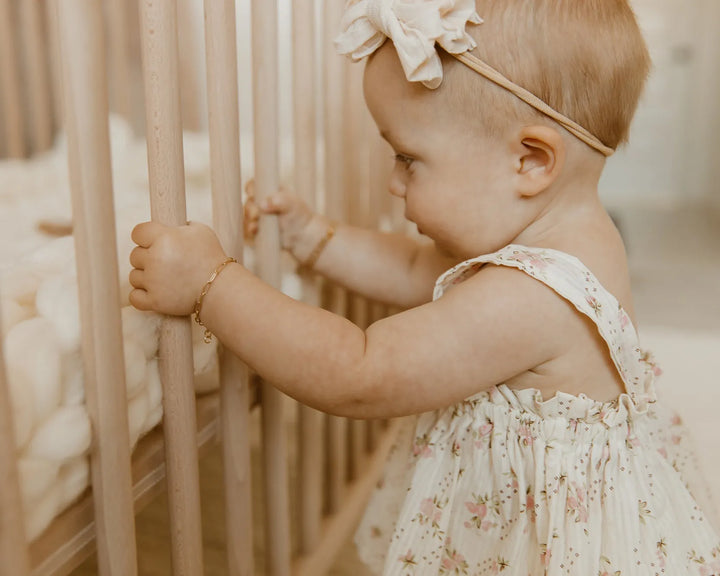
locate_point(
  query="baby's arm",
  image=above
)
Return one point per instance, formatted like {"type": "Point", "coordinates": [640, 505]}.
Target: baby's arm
{"type": "Point", "coordinates": [390, 268]}
{"type": "Point", "coordinates": [481, 333]}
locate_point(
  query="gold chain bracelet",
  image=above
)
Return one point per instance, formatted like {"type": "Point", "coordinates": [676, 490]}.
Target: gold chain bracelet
{"type": "Point", "coordinates": [199, 302]}
{"type": "Point", "coordinates": [319, 247]}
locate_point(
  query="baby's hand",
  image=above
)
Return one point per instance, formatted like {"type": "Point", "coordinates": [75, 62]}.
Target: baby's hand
{"type": "Point", "coordinates": [171, 265]}
{"type": "Point", "coordinates": [293, 215]}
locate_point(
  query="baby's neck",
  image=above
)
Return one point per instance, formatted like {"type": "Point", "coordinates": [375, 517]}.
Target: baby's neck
{"type": "Point", "coordinates": [571, 205]}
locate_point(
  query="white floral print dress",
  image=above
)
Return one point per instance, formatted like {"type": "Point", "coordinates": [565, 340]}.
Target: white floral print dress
{"type": "Point", "coordinates": [506, 483]}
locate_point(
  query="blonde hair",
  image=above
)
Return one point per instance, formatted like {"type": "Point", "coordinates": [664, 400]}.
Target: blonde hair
{"type": "Point", "coordinates": [585, 58]}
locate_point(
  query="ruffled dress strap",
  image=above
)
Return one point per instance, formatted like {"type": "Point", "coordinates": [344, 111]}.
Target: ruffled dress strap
{"type": "Point", "coordinates": [572, 280]}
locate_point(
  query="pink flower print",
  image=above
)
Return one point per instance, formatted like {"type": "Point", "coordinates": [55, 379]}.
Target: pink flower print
{"type": "Point", "coordinates": [576, 502]}
{"type": "Point", "coordinates": [595, 304]}
{"type": "Point", "coordinates": [676, 439]}
{"type": "Point", "coordinates": [676, 420]}
{"type": "Point", "coordinates": [408, 559]}
{"type": "Point", "coordinates": [649, 359]}
{"type": "Point", "coordinates": [499, 565]}
{"type": "Point", "coordinates": [422, 447]}
{"type": "Point", "coordinates": [624, 320]}
{"type": "Point", "coordinates": [712, 569]}
{"type": "Point", "coordinates": [530, 505]}
{"type": "Point", "coordinates": [482, 433]}
{"type": "Point", "coordinates": [430, 512]}
{"type": "Point", "coordinates": [454, 562]}
{"type": "Point", "coordinates": [526, 436]}
{"type": "Point", "coordinates": [478, 510]}
{"type": "Point", "coordinates": [632, 441]}
{"type": "Point", "coordinates": [545, 555]}
{"type": "Point", "coordinates": [533, 260]}
{"type": "Point", "coordinates": [661, 553]}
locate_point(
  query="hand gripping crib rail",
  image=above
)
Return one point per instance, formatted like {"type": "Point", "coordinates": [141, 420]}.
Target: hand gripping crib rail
{"type": "Point", "coordinates": [339, 460]}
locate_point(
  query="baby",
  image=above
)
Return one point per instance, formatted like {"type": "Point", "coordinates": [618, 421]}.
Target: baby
{"type": "Point", "coordinates": [538, 448]}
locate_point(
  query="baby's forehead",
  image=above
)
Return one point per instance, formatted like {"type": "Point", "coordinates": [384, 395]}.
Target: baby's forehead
{"type": "Point", "coordinates": [387, 88]}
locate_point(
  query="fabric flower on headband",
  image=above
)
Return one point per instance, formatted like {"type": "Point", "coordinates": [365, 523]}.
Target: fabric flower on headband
{"type": "Point", "coordinates": [414, 26]}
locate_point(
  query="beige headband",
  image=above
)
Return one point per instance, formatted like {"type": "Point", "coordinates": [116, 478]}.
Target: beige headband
{"type": "Point", "coordinates": [493, 75]}
{"type": "Point", "coordinates": [415, 26]}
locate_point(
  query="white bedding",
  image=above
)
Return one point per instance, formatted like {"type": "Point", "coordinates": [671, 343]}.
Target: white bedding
{"type": "Point", "coordinates": [40, 319]}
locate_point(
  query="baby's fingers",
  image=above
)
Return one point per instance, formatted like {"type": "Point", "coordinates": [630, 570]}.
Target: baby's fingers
{"type": "Point", "coordinates": [279, 203]}
{"type": "Point", "coordinates": [250, 190]}
{"type": "Point", "coordinates": [251, 215]}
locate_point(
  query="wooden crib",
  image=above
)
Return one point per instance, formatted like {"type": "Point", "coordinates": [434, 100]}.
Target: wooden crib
{"type": "Point", "coordinates": [339, 460]}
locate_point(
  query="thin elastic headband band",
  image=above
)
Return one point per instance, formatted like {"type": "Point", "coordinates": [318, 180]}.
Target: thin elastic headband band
{"type": "Point", "coordinates": [493, 75]}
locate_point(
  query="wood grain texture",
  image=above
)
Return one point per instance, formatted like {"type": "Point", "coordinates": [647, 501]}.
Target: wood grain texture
{"type": "Point", "coordinates": [267, 257]}
{"type": "Point", "coordinates": [86, 114]}
{"type": "Point", "coordinates": [37, 75]}
{"type": "Point", "coordinates": [13, 544]}
{"type": "Point", "coordinates": [12, 111]}
{"type": "Point", "coordinates": [167, 201]}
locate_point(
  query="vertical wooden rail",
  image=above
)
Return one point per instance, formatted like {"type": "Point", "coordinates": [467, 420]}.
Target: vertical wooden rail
{"type": "Point", "coordinates": [266, 139]}
{"type": "Point", "coordinates": [335, 208]}
{"type": "Point", "coordinates": [118, 44]}
{"type": "Point", "coordinates": [13, 544]}
{"type": "Point", "coordinates": [14, 135]}
{"type": "Point", "coordinates": [305, 132]}
{"type": "Point", "coordinates": [37, 75]}
{"type": "Point", "coordinates": [190, 77]}
{"type": "Point", "coordinates": [224, 127]}
{"type": "Point", "coordinates": [53, 44]}
{"type": "Point", "coordinates": [86, 115]}
{"type": "Point", "coordinates": [167, 201]}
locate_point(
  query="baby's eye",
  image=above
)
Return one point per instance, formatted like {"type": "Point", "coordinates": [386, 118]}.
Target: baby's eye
{"type": "Point", "coordinates": [406, 160]}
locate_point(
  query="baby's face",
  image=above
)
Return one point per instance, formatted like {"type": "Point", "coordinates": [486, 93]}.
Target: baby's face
{"type": "Point", "coordinates": [454, 180]}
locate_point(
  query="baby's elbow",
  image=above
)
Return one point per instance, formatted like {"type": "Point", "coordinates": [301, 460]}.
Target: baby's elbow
{"type": "Point", "coordinates": [360, 400]}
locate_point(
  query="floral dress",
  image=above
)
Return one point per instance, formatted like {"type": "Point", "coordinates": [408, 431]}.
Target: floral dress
{"type": "Point", "coordinates": [506, 483]}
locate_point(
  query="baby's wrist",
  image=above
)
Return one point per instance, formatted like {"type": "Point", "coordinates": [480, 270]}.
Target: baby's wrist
{"type": "Point", "coordinates": [313, 240]}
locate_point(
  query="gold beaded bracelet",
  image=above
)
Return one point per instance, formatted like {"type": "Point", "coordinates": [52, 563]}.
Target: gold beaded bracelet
{"type": "Point", "coordinates": [199, 302]}
{"type": "Point", "coordinates": [320, 246]}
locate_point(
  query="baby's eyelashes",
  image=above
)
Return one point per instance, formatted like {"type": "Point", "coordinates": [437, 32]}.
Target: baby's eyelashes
{"type": "Point", "coordinates": [403, 159]}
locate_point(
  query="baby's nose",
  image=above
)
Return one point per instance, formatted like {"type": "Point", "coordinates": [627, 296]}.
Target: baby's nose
{"type": "Point", "coordinates": [396, 187]}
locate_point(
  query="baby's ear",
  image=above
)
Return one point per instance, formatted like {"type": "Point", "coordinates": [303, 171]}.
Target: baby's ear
{"type": "Point", "coordinates": [540, 154]}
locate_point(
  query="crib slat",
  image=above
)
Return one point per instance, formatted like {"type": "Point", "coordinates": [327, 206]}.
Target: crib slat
{"type": "Point", "coordinates": [191, 97]}
{"type": "Point", "coordinates": [224, 127]}
{"type": "Point", "coordinates": [13, 544]}
{"type": "Point", "coordinates": [305, 133]}
{"type": "Point", "coordinates": [167, 195]}
{"type": "Point", "coordinates": [53, 42]}
{"type": "Point", "coordinates": [16, 146]}
{"type": "Point", "coordinates": [118, 38]}
{"type": "Point", "coordinates": [37, 75]}
{"type": "Point", "coordinates": [86, 113]}
{"type": "Point", "coordinates": [267, 251]}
